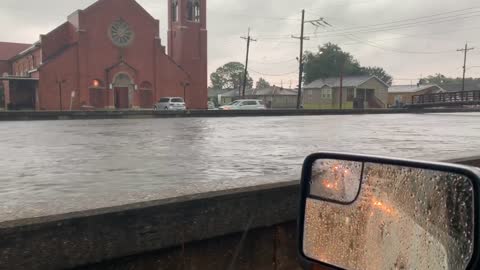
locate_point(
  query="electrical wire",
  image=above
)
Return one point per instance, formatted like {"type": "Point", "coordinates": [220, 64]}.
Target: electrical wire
{"type": "Point", "coordinates": [397, 50]}
{"type": "Point", "coordinates": [272, 75]}
{"type": "Point", "coordinates": [273, 63]}
{"type": "Point", "coordinates": [392, 25]}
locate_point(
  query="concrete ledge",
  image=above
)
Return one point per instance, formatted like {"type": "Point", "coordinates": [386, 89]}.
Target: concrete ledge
{"type": "Point", "coordinates": [72, 115]}
{"type": "Point", "coordinates": [197, 223]}
{"type": "Point", "coordinates": [72, 240]}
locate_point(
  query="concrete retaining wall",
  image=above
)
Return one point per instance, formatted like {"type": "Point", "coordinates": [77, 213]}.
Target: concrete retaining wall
{"type": "Point", "coordinates": [72, 115]}
{"type": "Point", "coordinates": [247, 228]}
{"type": "Point", "coordinates": [72, 240]}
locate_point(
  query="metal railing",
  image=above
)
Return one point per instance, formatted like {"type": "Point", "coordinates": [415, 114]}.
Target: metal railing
{"type": "Point", "coordinates": [448, 97]}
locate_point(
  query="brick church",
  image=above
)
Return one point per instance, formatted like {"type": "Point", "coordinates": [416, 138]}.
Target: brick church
{"type": "Point", "coordinates": [110, 56]}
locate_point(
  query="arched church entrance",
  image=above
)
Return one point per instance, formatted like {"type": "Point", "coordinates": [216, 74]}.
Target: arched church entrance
{"type": "Point", "coordinates": [123, 88]}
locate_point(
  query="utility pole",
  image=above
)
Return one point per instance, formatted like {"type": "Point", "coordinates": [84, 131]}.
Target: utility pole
{"type": "Point", "coordinates": [185, 84]}
{"type": "Point", "coordinates": [342, 64]}
{"type": "Point", "coordinates": [248, 39]}
{"type": "Point", "coordinates": [465, 51]}
{"type": "Point", "coordinates": [316, 23]}
{"type": "Point", "coordinates": [240, 85]}
{"type": "Point", "coordinates": [300, 60]}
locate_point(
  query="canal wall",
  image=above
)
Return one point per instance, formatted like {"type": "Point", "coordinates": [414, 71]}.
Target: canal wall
{"type": "Point", "coordinates": [246, 228]}
{"type": "Point", "coordinates": [77, 115]}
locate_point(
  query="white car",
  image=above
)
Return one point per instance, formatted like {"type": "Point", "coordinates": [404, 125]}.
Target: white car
{"type": "Point", "coordinates": [170, 104]}
{"type": "Point", "coordinates": [245, 104]}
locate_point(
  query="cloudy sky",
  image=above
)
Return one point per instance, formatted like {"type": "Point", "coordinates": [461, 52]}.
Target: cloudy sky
{"type": "Point", "coordinates": [408, 38]}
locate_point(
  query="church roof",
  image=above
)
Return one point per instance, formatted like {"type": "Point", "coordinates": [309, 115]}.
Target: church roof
{"type": "Point", "coordinates": [8, 49]}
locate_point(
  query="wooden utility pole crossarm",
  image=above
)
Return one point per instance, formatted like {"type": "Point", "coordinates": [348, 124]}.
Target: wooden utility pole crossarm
{"type": "Point", "coordinates": [465, 51]}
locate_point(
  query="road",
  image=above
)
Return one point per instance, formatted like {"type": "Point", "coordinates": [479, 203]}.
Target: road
{"type": "Point", "coordinates": [51, 167]}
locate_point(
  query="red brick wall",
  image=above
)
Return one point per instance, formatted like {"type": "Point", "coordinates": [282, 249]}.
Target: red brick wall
{"type": "Point", "coordinates": [5, 67]}
{"type": "Point", "coordinates": [56, 40]}
{"type": "Point", "coordinates": [62, 68]}
{"type": "Point", "coordinates": [27, 62]}
{"type": "Point", "coordinates": [94, 56]}
{"type": "Point", "coordinates": [98, 51]}
{"type": "Point", "coordinates": [188, 47]}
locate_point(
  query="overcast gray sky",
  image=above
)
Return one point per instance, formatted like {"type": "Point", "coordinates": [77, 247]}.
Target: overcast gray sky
{"type": "Point", "coordinates": [408, 38]}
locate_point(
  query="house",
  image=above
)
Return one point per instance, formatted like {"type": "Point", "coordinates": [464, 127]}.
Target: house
{"type": "Point", "coordinates": [274, 97]}
{"type": "Point", "coordinates": [358, 92]}
{"type": "Point", "coordinates": [399, 95]}
{"type": "Point", "coordinates": [215, 95]}
{"type": "Point", "coordinates": [110, 56]}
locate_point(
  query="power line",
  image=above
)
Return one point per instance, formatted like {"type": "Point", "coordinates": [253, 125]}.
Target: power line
{"type": "Point", "coordinates": [373, 30]}
{"type": "Point", "coordinates": [256, 17]}
{"type": "Point", "coordinates": [422, 17]}
{"type": "Point", "coordinates": [394, 49]}
{"type": "Point", "coordinates": [273, 63]}
{"type": "Point", "coordinates": [420, 35]}
{"type": "Point", "coordinates": [396, 27]}
{"type": "Point", "coordinates": [345, 4]}
{"type": "Point", "coordinates": [340, 33]}
{"type": "Point", "coordinates": [393, 24]}
{"type": "Point", "coordinates": [272, 75]}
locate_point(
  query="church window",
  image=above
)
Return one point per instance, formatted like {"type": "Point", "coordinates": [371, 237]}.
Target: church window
{"type": "Point", "coordinates": [121, 33]}
{"type": "Point", "coordinates": [193, 7]}
{"type": "Point", "coordinates": [174, 10]}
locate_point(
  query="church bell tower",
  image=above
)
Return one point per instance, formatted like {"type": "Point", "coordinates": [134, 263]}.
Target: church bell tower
{"type": "Point", "coordinates": [187, 46]}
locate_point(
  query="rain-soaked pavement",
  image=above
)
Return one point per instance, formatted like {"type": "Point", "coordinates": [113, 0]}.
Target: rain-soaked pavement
{"type": "Point", "coordinates": [51, 167]}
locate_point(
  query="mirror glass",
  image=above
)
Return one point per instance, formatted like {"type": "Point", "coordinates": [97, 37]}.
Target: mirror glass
{"type": "Point", "coordinates": [403, 218]}
{"type": "Point", "coordinates": [335, 180]}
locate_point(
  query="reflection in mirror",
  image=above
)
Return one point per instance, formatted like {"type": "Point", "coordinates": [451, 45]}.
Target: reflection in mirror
{"type": "Point", "coordinates": [335, 180]}
{"type": "Point", "coordinates": [403, 218]}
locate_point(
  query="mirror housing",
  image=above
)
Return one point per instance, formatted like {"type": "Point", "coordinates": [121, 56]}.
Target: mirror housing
{"type": "Point", "coordinates": [360, 212]}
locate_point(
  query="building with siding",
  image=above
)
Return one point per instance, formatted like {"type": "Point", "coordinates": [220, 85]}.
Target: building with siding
{"type": "Point", "coordinates": [357, 92]}
{"type": "Point", "coordinates": [400, 95]}
{"type": "Point", "coordinates": [274, 97]}
{"type": "Point", "coordinates": [110, 56]}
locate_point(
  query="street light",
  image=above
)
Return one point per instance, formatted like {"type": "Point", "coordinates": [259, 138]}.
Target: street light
{"type": "Point", "coordinates": [185, 85]}
{"type": "Point", "coordinates": [59, 83]}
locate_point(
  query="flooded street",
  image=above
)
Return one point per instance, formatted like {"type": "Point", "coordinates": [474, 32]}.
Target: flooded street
{"type": "Point", "coordinates": [51, 167]}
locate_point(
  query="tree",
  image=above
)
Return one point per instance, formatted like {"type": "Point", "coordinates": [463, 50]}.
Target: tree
{"type": "Point", "coordinates": [380, 73]}
{"type": "Point", "coordinates": [328, 61]}
{"type": "Point", "coordinates": [262, 84]}
{"type": "Point", "coordinates": [438, 79]}
{"type": "Point", "coordinates": [230, 76]}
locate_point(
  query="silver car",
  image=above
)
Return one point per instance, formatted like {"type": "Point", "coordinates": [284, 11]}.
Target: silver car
{"type": "Point", "coordinates": [245, 104]}
{"type": "Point", "coordinates": [170, 104]}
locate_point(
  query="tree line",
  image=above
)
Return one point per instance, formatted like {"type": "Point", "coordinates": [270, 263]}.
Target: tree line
{"type": "Point", "coordinates": [329, 61]}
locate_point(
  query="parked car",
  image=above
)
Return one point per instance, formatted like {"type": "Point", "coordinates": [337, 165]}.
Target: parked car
{"type": "Point", "coordinates": [211, 105]}
{"type": "Point", "coordinates": [245, 104]}
{"type": "Point", "coordinates": [170, 104]}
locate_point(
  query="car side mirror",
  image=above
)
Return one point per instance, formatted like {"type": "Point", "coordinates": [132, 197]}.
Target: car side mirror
{"type": "Point", "coordinates": [365, 212]}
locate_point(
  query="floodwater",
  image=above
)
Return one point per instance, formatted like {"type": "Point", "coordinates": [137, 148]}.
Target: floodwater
{"type": "Point", "coordinates": [52, 167]}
